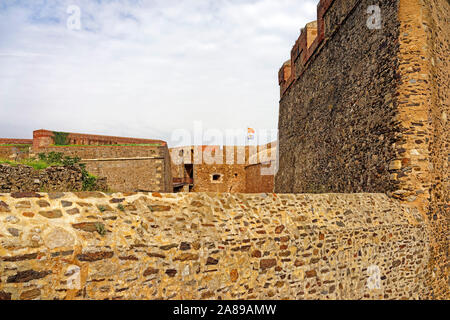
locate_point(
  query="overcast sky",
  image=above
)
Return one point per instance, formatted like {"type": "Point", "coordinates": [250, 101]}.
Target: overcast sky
{"type": "Point", "coordinates": [144, 68]}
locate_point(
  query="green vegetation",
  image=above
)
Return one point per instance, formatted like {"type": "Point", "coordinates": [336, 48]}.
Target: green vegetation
{"type": "Point", "coordinates": [10, 162]}
{"type": "Point", "coordinates": [121, 207]}
{"type": "Point", "coordinates": [100, 228]}
{"type": "Point", "coordinates": [35, 164]}
{"type": "Point", "coordinates": [57, 159]}
{"type": "Point", "coordinates": [60, 138]}
{"type": "Point", "coordinates": [89, 180]}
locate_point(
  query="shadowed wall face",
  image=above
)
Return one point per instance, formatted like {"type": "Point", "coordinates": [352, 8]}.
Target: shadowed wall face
{"type": "Point", "coordinates": [224, 169]}
{"type": "Point", "coordinates": [14, 152]}
{"type": "Point", "coordinates": [337, 120]}
{"type": "Point", "coordinates": [219, 178]}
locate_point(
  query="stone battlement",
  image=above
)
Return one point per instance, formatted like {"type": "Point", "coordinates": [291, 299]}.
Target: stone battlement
{"type": "Point", "coordinates": [310, 39]}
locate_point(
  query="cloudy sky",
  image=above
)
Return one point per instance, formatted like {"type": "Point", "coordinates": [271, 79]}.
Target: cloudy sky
{"type": "Point", "coordinates": [144, 68]}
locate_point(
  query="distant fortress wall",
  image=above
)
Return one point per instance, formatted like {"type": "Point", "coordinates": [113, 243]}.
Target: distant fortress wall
{"type": "Point", "coordinates": [127, 168]}
{"type": "Point", "coordinates": [16, 141]}
{"type": "Point", "coordinates": [12, 149]}
{"type": "Point", "coordinates": [129, 164]}
{"type": "Point", "coordinates": [44, 138]}
{"type": "Point", "coordinates": [234, 169]}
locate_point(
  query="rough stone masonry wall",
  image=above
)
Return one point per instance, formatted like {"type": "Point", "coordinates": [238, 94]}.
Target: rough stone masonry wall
{"type": "Point", "coordinates": [16, 141]}
{"type": "Point", "coordinates": [23, 178]}
{"type": "Point", "coordinates": [127, 168]}
{"type": "Point", "coordinates": [337, 119]}
{"type": "Point", "coordinates": [439, 40]}
{"type": "Point", "coordinates": [199, 246]}
{"type": "Point", "coordinates": [423, 101]}
{"type": "Point", "coordinates": [387, 93]}
{"type": "Point", "coordinates": [424, 107]}
{"type": "Point", "coordinates": [14, 152]}
{"type": "Point", "coordinates": [233, 178]}
{"type": "Point", "coordinates": [233, 172]}
{"type": "Point", "coordinates": [255, 181]}
{"type": "Point", "coordinates": [167, 179]}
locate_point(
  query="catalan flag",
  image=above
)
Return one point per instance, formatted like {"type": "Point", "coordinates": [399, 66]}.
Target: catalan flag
{"type": "Point", "coordinates": [251, 134]}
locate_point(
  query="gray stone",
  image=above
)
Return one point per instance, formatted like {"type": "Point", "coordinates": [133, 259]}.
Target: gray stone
{"type": "Point", "coordinates": [58, 238]}
{"type": "Point", "coordinates": [14, 232]}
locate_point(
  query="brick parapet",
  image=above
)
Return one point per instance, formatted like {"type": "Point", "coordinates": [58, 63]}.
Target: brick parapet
{"type": "Point", "coordinates": [44, 138]}
{"type": "Point", "coordinates": [15, 141]}
{"type": "Point", "coordinates": [311, 38]}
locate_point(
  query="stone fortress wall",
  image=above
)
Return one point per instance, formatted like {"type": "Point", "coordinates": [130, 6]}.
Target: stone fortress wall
{"type": "Point", "coordinates": [127, 168]}
{"type": "Point", "coordinates": [210, 246]}
{"type": "Point", "coordinates": [15, 148]}
{"type": "Point", "coordinates": [16, 141]}
{"type": "Point", "coordinates": [25, 178]}
{"type": "Point", "coordinates": [129, 164]}
{"type": "Point", "coordinates": [361, 110]}
{"type": "Point", "coordinates": [132, 164]}
{"type": "Point", "coordinates": [260, 172]}
{"type": "Point", "coordinates": [229, 169]}
{"type": "Point", "coordinates": [365, 110]}
{"type": "Point", "coordinates": [434, 43]}
{"type": "Point", "coordinates": [257, 180]}
{"type": "Point", "coordinates": [13, 152]}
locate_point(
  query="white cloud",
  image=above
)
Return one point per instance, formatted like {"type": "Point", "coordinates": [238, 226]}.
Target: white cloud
{"type": "Point", "coordinates": [144, 68]}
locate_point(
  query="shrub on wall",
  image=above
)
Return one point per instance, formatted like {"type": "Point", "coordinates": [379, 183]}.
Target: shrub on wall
{"type": "Point", "coordinates": [60, 138]}
{"type": "Point", "coordinates": [58, 159]}
{"type": "Point", "coordinates": [89, 180]}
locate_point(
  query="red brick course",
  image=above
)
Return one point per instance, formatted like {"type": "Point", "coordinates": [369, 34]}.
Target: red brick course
{"type": "Point", "coordinates": [16, 141]}
{"type": "Point", "coordinates": [44, 138]}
